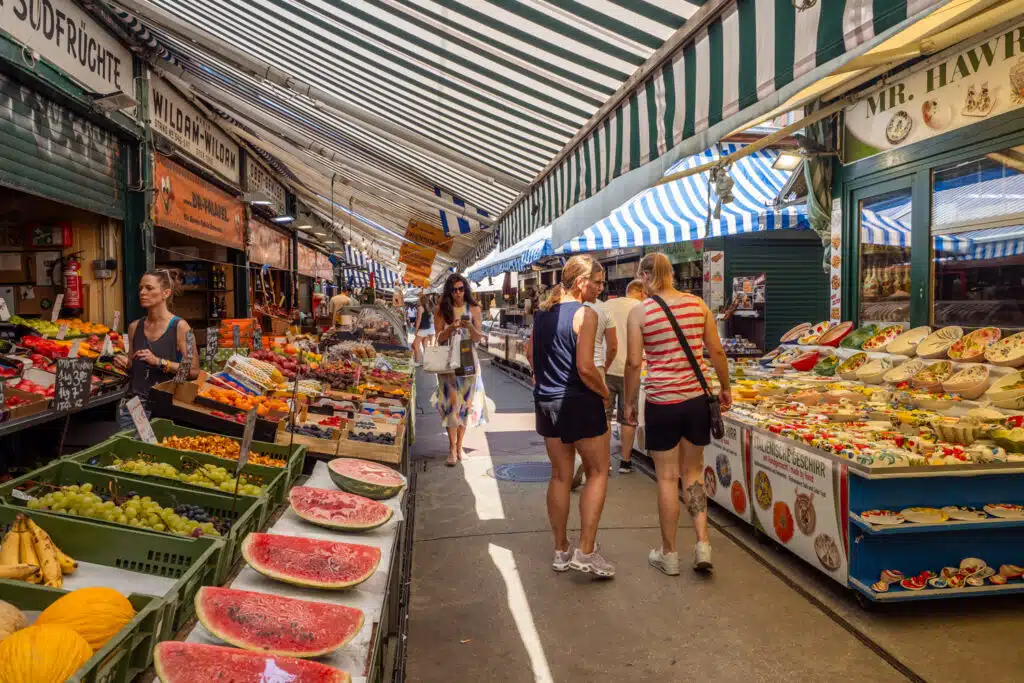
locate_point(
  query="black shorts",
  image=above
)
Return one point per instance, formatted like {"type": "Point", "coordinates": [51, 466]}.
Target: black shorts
{"type": "Point", "coordinates": [666, 423]}
{"type": "Point", "coordinates": [571, 419]}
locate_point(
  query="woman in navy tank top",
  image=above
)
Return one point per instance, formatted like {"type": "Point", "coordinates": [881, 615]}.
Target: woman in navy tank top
{"type": "Point", "coordinates": [569, 395]}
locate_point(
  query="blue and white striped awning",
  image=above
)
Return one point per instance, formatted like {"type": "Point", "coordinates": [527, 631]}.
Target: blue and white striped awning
{"type": "Point", "coordinates": [881, 229]}
{"type": "Point", "coordinates": [516, 258]}
{"type": "Point", "coordinates": [991, 243]}
{"type": "Point", "coordinates": [678, 211]}
{"type": "Point", "coordinates": [359, 275]}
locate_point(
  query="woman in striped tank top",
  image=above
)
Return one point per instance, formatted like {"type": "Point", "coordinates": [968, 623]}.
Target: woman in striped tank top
{"type": "Point", "coordinates": [676, 419]}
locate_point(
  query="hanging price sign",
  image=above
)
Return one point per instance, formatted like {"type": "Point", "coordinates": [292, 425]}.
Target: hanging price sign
{"type": "Point", "coordinates": [257, 338]}
{"type": "Point", "coordinates": [57, 305]}
{"type": "Point", "coordinates": [185, 366]}
{"type": "Point", "coordinates": [73, 383]}
{"type": "Point", "coordinates": [211, 346]}
{"type": "Point", "coordinates": [243, 454]}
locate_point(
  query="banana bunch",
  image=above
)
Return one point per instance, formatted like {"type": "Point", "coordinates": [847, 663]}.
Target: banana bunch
{"type": "Point", "coordinates": [28, 553]}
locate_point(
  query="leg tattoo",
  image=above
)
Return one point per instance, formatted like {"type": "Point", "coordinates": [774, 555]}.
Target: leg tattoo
{"type": "Point", "coordinates": [696, 498]}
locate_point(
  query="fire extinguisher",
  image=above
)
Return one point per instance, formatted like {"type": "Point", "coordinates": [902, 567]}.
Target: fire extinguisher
{"type": "Point", "coordinates": [73, 293]}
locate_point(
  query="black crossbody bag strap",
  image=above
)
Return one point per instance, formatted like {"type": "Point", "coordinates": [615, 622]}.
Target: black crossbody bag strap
{"type": "Point", "coordinates": [685, 344]}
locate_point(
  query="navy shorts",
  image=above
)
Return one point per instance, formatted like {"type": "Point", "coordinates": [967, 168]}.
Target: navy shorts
{"type": "Point", "coordinates": [571, 418]}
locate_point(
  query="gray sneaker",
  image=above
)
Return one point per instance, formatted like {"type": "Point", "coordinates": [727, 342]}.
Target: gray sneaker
{"type": "Point", "coordinates": [702, 557]}
{"type": "Point", "coordinates": [665, 563]}
{"type": "Point", "coordinates": [562, 559]}
{"type": "Point", "coordinates": [592, 564]}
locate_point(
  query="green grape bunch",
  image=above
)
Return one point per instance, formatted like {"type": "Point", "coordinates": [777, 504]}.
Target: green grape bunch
{"type": "Point", "coordinates": [207, 476]}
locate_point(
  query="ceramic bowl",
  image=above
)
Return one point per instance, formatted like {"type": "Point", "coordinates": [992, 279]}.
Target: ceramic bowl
{"type": "Point", "coordinates": [931, 377]}
{"type": "Point", "coordinates": [1008, 352]}
{"type": "Point", "coordinates": [884, 337]}
{"type": "Point", "coordinates": [903, 373]}
{"type": "Point", "coordinates": [1006, 389]}
{"type": "Point", "coordinates": [814, 333]}
{"type": "Point", "coordinates": [969, 382]}
{"type": "Point", "coordinates": [794, 334]}
{"type": "Point", "coordinates": [873, 371]}
{"type": "Point", "coordinates": [937, 344]}
{"type": "Point", "coordinates": [848, 368]}
{"type": "Point", "coordinates": [972, 347]}
{"type": "Point", "coordinates": [906, 343]}
{"type": "Point", "coordinates": [835, 335]}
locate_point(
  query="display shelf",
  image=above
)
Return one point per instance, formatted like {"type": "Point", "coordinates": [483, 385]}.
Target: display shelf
{"type": "Point", "coordinates": [897, 593]}
{"type": "Point", "coordinates": [49, 414]}
{"type": "Point", "coordinates": [919, 528]}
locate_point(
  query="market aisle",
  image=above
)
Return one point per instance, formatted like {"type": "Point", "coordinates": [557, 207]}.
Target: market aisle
{"type": "Point", "coordinates": [486, 605]}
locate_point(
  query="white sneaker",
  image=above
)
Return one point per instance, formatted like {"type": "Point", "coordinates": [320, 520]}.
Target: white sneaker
{"type": "Point", "coordinates": [592, 564]}
{"type": "Point", "coordinates": [562, 559]}
{"type": "Point", "coordinates": [665, 563]}
{"type": "Point", "coordinates": [702, 557]}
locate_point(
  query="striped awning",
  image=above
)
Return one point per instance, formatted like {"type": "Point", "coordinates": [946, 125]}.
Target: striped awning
{"type": "Point", "coordinates": [739, 62]}
{"type": "Point", "coordinates": [357, 272]}
{"type": "Point", "coordinates": [992, 243]}
{"type": "Point", "coordinates": [516, 258]}
{"type": "Point", "coordinates": [678, 211]}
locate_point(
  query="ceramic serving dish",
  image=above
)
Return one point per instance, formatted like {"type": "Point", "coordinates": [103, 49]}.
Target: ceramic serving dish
{"type": "Point", "coordinates": [970, 382]}
{"type": "Point", "coordinates": [906, 343]}
{"type": "Point", "coordinates": [813, 334]}
{"type": "Point", "coordinates": [805, 361]}
{"type": "Point", "coordinates": [1006, 389]}
{"type": "Point", "coordinates": [972, 347]}
{"type": "Point", "coordinates": [936, 344]}
{"type": "Point", "coordinates": [932, 376]}
{"type": "Point", "coordinates": [794, 334]}
{"type": "Point", "coordinates": [784, 358]}
{"type": "Point", "coordinates": [835, 335]}
{"type": "Point", "coordinates": [1007, 352]}
{"type": "Point", "coordinates": [903, 373]}
{"type": "Point", "coordinates": [881, 340]}
{"type": "Point", "coordinates": [956, 430]}
{"type": "Point", "coordinates": [937, 402]}
{"type": "Point", "coordinates": [826, 366]}
{"type": "Point", "coordinates": [873, 371]}
{"type": "Point", "coordinates": [848, 368]}
{"type": "Point", "coordinates": [855, 339]}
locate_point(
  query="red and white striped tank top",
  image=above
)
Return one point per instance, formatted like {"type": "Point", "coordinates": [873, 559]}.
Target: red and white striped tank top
{"type": "Point", "coordinates": [670, 377]}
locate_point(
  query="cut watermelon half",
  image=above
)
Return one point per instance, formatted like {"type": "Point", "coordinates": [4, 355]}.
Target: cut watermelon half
{"type": "Point", "coordinates": [274, 624]}
{"type": "Point", "coordinates": [338, 509]}
{"type": "Point", "coordinates": [365, 478]}
{"type": "Point", "coordinates": [310, 562]}
{"type": "Point", "coordinates": [178, 662]}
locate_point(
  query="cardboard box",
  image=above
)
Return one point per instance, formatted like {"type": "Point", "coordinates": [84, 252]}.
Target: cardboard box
{"type": "Point", "coordinates": [36, 404]}
{"type": "Point", "coordinates": [32, 300]}
{"type": "Point", "coordinates": [14, 267]}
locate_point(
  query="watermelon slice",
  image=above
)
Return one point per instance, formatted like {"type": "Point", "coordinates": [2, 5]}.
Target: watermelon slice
{"type": "Point", "coordinates": [365, 478]}
{"type": "Point", "coordinates": [337, 509]}
{"type": "Point", "coordinates": [274, 624]}
{"type": "Point", "coordinates": [178, 662]}
{"type": "Point", "coordinates": [310, 562]}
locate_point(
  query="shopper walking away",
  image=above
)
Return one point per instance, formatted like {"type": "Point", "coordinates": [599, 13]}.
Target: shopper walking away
{"type": "Point", "coordinates": [157, 342]}
{"type": "Point", "coordinates": [605, 350]}
{"type": "Point", "coordinates": [424, 327]}
{"type": "Point", "coordinates": [677, 423]}
{"type": "Point", "coordinates": [617, 311]}
{"type": "Point", "coordinates": [459, 398]}
{"type": "Point", "coordinates": [568, 398]}
{"type": "Point", "coordinates": [338, 302]}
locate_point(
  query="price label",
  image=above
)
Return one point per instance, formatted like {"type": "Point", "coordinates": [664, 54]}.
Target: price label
{"type": "Point", "coordinates": [185, 366]}
{"type": "Point", "coordinates": [127, 345]}
{"type": "Point", "coordinates": [73, 385]}
{"type": "Point", "coordinates": [382, 364]}
{"type": "Point", "coordinates": [117, 322]}
{"type": "Point", "coordinates": [108, 346]}
{"type": "Point", "coordinates": [250, 429]}
{"type": "Point", "coordinates": [257, 338]}
{"type": "Point", "coordinates": [5, 313]}
{"type": "Point", "coordinates": [57, 305]}
{"type": "Point", "coordinates": [73, 351]}
{"type": "Point", "coordinates": [211, 346]}
{"type": "Point", "coordinates": [141, 420]}
{"type": "Point", "coordinates": [62, 332]}
{"type": "Point", "coordinates": [236, 336]}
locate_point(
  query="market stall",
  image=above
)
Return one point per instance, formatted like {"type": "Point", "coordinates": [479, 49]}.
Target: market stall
{"type": "Point", "coordinates": [270, 272]}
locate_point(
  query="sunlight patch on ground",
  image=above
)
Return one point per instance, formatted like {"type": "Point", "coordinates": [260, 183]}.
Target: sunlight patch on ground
{"type": "Point", "coordinates": [521, 613]}
{"type": "Point", "coordinates": [511, 422]}
{"type": "Point", "coordinates": [475, 470]}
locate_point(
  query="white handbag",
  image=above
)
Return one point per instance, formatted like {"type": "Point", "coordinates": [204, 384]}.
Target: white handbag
{"type": "Point", "coordinates": [441, 360]}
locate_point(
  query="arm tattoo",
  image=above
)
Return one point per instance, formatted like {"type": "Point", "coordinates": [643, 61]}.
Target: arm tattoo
{"type": "Point", "coordinates": [696, 498]}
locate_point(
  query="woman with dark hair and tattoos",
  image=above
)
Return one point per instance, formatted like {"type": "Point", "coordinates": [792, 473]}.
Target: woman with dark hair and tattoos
{"type": "Point", "coordinates": [677, 424]}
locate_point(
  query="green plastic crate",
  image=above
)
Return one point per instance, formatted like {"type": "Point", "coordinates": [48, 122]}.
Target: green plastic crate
{"type": "Point", "coordinates": [163, 428]}
{"type": "Point", "coordinates": [191, 562]}
{"type": "Point", "coordinates": [101, 455]}
{"type": "Point", "coordinates": [247, 513]}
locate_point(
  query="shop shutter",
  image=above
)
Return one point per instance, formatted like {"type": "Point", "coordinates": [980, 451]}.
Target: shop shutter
{"type": "Point", "coordinates": [796, 287]}
{"type": "Point", "coordinates": [47, 150]}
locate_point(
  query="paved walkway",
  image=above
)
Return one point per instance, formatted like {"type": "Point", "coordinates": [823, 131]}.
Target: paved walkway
{"type": "Point", "coordinates": [486, 605]}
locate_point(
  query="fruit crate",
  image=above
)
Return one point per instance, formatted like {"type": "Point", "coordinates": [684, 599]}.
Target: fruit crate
{"type": "Point", "coordinates": [190, 562]}
{"type": "Point", "coordinates": [246, 515]}
{"type": "Point", "coordinates": [100, 456]}
{"type": "Point", "coordinates": [295, 459]}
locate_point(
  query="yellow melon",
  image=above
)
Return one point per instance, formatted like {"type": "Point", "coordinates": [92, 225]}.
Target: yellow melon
{"type": "Point", "coordinates": [96, 614]}
{"type": "Point", "coordinates": [42, 654]}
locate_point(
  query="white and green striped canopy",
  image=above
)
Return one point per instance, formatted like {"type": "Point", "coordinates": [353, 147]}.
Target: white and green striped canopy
{"type": "Point", "coordinates": [746, 60]}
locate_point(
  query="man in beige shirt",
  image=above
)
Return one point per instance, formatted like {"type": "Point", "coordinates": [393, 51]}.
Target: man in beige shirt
{"type": "Point", "coordinates": [338, 302]}
{"type": "Point", "coordinates": [617, 311]}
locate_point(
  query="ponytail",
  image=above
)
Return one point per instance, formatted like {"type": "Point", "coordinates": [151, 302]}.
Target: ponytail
{"type": "Point", "coordinates": [552, 298]}
{"type": "Point", "coordinates": [659, 268]}
{"type": "Point", "coordinates": [576, 268]}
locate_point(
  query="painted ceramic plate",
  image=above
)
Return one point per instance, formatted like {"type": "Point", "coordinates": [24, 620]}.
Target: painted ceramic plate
{"type": "Point", "coordinates": [899, 127]}
{"type": "Point", "coordinates": [723, 469]}
{"type": "Point", "coordinates": [906, 343]}
{"type": "Point", "coordinates": [923, 515]}
{"type": "Point", "coordinates": [1005, 510]}
{"type": "Point", "coordinates": [763, 490]}
{"type": "Point", "coordinates": [964, 514]}
{"type": "Point", "coordinates": [936, 344]}
{"type": "Point", "coordinates": [972, 346]}
{"type": "Point", "coordinates": [828, 552]}
{"type": "Point", "coordinates": [710, 485]}
{"type": "Point", "coordinates": [803, 511]}
{"type": "Point", "coordinates": [1008, 351]}
{"type": "Point", "coordinates": [794, 334]}
{"type": "Point", "coordinates": [883, 517]}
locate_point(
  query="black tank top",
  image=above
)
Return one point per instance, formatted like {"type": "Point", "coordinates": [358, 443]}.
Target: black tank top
{"type": "Point", "coordinates": [554, 354]}
{"type": "Point", "coordinates": [143, 376]}
{"type": "Point", "coordinates": [426, 320]}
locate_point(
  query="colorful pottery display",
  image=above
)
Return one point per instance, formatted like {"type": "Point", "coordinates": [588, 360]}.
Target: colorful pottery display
{"type": "Point", "coordinates": [903, 373]}
{"type": "Point", "coordinates": [873, 371]}
{"type": "Point", "coordinates": [848, 368]}
{"type": "Point", "coordinates": [932, 377]}
{"type": "Point", "coordinates": [937, 344]}
{"type": "Point", "coordinates": [812, 335]}
{"type": "Point", "coordinates": [1008, 352]}
{"type": "Point", "coordinates": [924, 515]}
{"type": "Point", "coordinates": [970, 382]}
{"type": "Point", "coordinates": [835, 335]}
{"type": "Point", "coordinates": [794, 334]}
{"type": "Point", "coordinates": [881, 340]}
{"type": "Point", "coordinates": [855, 339]}
{"type": "Point", "coordinates": [906, 343]}
{"type": "Point", "coordinates": [972, 347]}
{"type": "Point", "coordinates": [883, 517]}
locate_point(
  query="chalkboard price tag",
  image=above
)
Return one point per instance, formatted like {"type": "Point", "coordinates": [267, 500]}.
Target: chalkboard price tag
{"type": "Point", "coordinates": [257, 338]}
{"type": "Point", "coordinates": [57, 305]}
{"type": "Point", "coordinates": [141, 420]}
{"type": "Point", "coordinates": [211, 346]}
{"type": "Point", "coordinates": [250, 429]}
{"type": "Point", "coordinates": [185, 366]}
{"type": "Point", "coordinates": [73, 385]}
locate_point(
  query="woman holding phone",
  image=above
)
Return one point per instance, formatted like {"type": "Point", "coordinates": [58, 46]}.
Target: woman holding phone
{"type": "Point", "coordinates": [460, 399]}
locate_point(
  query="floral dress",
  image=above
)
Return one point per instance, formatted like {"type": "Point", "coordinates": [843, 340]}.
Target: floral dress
{"type": "Point", "coordinates": [461, 401]}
